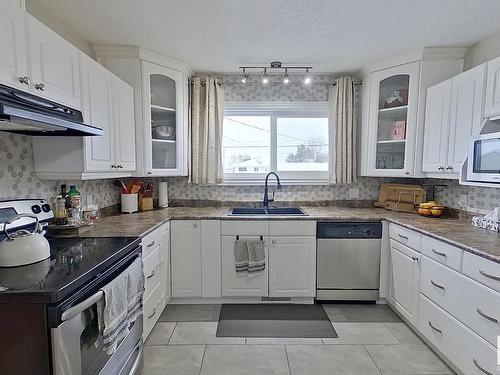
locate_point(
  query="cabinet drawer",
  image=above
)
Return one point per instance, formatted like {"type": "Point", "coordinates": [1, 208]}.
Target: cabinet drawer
{"type": "Point", "coordinates": [150, 241]}
{"type": "Point", "coordinates": [482, 270]}
{"type": "Point", "coordinates": [469, 352]}
{"type": "Point", "coordinates": [152, 267]}
{"type": "Point", "coordinates": [152, 309]}
{"type": "Point", "coordinates": [475, 305]}
{"type": "Point", "coordinates": [442, 252]}
{"type": "Point", "coordinates": [405, 236]}
{"type": "Point", "coordinates": [292, 228]}
{"type": "Point", "coordinates": [244, 228]}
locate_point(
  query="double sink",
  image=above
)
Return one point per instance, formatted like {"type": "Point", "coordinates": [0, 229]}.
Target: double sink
{"type": "Point", "coordinates": [249, 211]}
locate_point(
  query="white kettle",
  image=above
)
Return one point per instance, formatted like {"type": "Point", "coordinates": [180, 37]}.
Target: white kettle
{"type": "Point", "coordinates": [23, 247]}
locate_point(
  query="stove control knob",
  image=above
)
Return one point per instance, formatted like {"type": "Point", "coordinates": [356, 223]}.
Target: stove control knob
{"type": "Point", "coordinates": [46, 207]}
{"type": "Point", "coordinates": [36, 209]}
{"type": "Point", "coordinates": [369, 232]}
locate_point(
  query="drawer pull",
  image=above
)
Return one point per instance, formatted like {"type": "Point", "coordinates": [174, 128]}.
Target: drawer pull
{"type": "Point", "coordinates": [479, 367]}
{"type": "Point", "coordinates": [415, 259]}
{"type": "Point", "coordinates": [403, 237]}
{"type": "Point", "coordinates": [153, 313]}
{"type": "Point", "coordinates": [437, 285]}
{"type": "Point", "coordinates": [485, 274]}
{"type": "Point", "coordinates": [434, 328]}
{"type": "Point", "coordinates": [491, 319]}
{"type": "Point", "coordinates": [150, 275]}
{"type": "Point", "coordinates": [152, 243]}
{"type": "Point", "coordinates": [439, 253]}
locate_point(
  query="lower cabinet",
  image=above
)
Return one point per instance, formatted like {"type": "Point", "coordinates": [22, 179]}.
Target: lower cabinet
{"type": "Point", "coordinates": [155, 254]}
{"type": "Point", "coordinates": [405, 279]}
{"type": "Point", "coordinates": [242, 284]}
{"type": "Point", "coordinates": [292, 266]}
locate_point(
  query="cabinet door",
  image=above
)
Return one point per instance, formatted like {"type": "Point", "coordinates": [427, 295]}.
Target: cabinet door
{"type": "Point", "coordinates": [242, 284]}
{"type": "Point", "coordinates": [405, 278]}
{"type": "Point", "coordinates": [186, 258]}
{"type": "Point", "coordinates": [393, 120]}
{"type": "Point", "coordinates": [54, 65]}
{"type": "Point", "coordinates": [292, 266]}
{"type": "Point", "coordinates": [492, 98]}
{"type": "Point", "coordinates": [97, 111]}
{"type": "Point", "coordinates": [466, 114]}
{"type": "Point", "coordinates": [13, 62]}
{"type": "Point", "coordinates": [165, 261]}
{"type": "Point", "coordinates": [437, 122]}
{"type": "Point", "coordinates": [164, 119]}
{"type": "Point", "coordinates": [123, 124]}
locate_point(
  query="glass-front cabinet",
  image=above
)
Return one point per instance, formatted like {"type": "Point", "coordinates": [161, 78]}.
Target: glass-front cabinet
{"type": "Point", "coordinates": [165, 120]}
{"type": "Point", "coordinates": [393, 113]}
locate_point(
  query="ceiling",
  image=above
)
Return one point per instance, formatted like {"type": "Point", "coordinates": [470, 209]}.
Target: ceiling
{"type": "Point", "coordinates": [332, 35]}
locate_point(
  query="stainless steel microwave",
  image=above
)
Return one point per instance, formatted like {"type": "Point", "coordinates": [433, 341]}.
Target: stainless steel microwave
{"type": "Point", "coordinates": [484, 158]}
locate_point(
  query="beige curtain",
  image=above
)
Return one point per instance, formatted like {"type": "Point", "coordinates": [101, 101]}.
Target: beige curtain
{"type": "Point", "coordinates": [342, 128]}
{"type": "Point", "coordinates": [205, 130]}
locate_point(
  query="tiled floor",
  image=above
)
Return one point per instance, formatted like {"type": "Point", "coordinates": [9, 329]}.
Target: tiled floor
{"type": "Point", "coordinates": [372, 340]}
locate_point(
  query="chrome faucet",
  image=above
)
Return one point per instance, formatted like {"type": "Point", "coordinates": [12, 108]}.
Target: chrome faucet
{"type": "Point", "coordinates": [266, 199]}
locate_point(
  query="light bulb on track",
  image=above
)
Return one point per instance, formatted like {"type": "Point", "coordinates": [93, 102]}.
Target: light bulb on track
{"type": "Point", "coordinates": [265, 77]}
{"type": "Point", "coordinates": [307, 77]}
{"type": "Point", "coordinates": [286, 78]}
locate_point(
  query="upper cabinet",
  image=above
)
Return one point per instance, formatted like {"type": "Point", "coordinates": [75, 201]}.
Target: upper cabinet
{"type": "Point", "coordinates": [161, 107]}
{"type": "Point", "coordinates": [13, 60]}
{"type": "Point", "coordinates": [393, 105]}
{"type": "Point", "coordinates": [454, 114]}
{"type": "Point", "coordinates": [492, 98]}
{"type": "Point", "coordinates": [54, 65]}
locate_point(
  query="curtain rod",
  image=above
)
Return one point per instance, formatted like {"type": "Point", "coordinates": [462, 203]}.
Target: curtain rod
{"type": "Point", "coordinates": [356, 83]}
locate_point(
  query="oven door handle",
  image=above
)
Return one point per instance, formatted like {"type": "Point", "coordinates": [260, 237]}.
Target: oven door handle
{"type": "Point", "coordinates": [77, 309]}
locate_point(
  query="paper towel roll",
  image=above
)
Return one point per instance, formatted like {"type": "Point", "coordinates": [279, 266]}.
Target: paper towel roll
{"type": "Point", "coordinates": [163, 194]}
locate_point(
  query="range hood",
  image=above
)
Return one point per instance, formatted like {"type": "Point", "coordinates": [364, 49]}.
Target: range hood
{"type": "Point", "coordinates": [24, 113]}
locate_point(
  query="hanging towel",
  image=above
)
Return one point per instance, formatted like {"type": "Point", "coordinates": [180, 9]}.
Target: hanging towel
{"type": "Point", "coordinates": [256, 256]}
{"type": "Point", "coordinates": [112, 313]}
{"type": "Point", "coordinates": [241, 256]}
{"type": "Point", "coordinates": [135, 290]}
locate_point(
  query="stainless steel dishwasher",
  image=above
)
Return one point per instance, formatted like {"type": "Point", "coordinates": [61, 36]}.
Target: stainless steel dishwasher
{"type": "Point", "coordinates": [348, 264]}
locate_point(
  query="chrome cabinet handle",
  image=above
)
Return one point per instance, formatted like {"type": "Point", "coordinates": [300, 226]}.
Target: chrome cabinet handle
{"type": "Point", "coordinates": [403, 237]}
{"type": "Point", "coordinates": [415, 259]}
{"type": "Point", "coordinates": [113, 165]}
{"type": "Point", "coordinates": [439, 253]}
{"type": "Point", "coordinates": [195, 225]}
{"type": "Point", "coordinates": [480, 367]}
{"type": "Point", "coordinates": [25, 80]}
{"type": "Point", "coordinates": [490, 318]}
{"type": "Point", "coordinates": [434, 328]}
{"type": "Point", "coordinates": [273, 242]}
{"type": "Point", "coordinates": [40, 86]}
{"type": "Point", "coordinates": [151, 275]}
{"type": "Point", "coordinates": [449, 168]}
{"type": "Point", "coordinates": [407, 173]}
{"type": "Point", "coordinates": [153, 313]}
{"type": "Point", "coordinates": [152, 243]}
{"type": "Point", "coordinates": [437, 285]}
{"type": "Point", "coordinates": [492, 277]}
{"type": "Point", "coordinates": [149, 172]}
{"type": "Point", "coordinates": [440, 168]}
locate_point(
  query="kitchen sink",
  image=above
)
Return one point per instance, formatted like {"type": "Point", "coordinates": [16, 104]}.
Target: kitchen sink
{"type": "Point", "coordinates": [249, 211]}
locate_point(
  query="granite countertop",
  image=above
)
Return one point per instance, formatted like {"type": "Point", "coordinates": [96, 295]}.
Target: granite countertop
{"type": "Point", "coordinates": [454, 231]}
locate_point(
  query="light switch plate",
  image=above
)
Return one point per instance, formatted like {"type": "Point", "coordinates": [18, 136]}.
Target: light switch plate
{"type": "Point", "coordinates": [464, 197]}
{"type": "Point", "coordinates": [354, 193]}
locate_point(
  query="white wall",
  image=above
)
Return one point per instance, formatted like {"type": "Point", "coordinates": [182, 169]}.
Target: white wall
{"type": "Point", "coordinates": [482, 51]}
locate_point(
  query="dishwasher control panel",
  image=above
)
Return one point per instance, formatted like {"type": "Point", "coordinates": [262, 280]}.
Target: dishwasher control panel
{"type": "Point", "coordinates": [351, 229]}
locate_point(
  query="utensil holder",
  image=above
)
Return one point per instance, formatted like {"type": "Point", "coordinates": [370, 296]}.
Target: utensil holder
{"type": "Point", "coordinates": [129, 203]}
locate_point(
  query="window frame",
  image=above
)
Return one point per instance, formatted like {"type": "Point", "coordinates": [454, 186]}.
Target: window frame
{"type": "Point", "coordinates": [276, 110]}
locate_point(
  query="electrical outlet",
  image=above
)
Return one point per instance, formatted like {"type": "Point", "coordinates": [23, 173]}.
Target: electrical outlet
{"type": "Point", "coordinates": [354, 193]}
{"type": "Point", "coordinates": [464, 197]}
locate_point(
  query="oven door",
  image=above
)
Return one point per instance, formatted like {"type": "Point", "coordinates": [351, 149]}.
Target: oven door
{"type": "Point", "coordinates": [485, 159]}
{"type": "Point", "coordinates": [77, 350]}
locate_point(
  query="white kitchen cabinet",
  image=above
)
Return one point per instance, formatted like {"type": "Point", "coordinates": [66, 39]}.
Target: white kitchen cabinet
{"type": "Point", "coordinates": [165, 260]}
{"type": "Point", "coordinates": [292, 266]}
{"type": "Point", "coordinates": [437, 128]}
{"type": "Point", "coordinates": [107, 102]}
{"type": "Point", "coordinates": [186, 258]}
{"type": "Point", "coordinates": [405, 279]}
{"type": "Point", "coordinates": [492, 97]}
{"type": "Point", "coordinates": [54, 65]}
{"type": "Point", "coordinates": [393, 109]}
{"type": "Point", "coordinates": [161, 107]}
{"type": "Point", "coordinates": [454, 115]}
{"type": "Point", "coordinates": [13, 59]}
{"type": "Point", "coordinates": [242, 284]}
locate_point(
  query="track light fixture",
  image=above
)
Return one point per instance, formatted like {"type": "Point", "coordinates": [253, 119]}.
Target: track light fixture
{"type": "Point", "coordinates": [275, 66]}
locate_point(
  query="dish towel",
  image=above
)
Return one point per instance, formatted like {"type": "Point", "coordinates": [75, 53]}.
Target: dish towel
{"type": "Point", "coordinates": [112, 313]}
{"type": "Point", "coordinates": [135, 290]}
{"type": "Point", "coordinates": [241, 256]}
{"type": "Point", "coordinates": [256, 256]}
